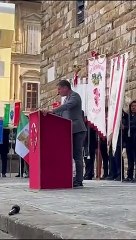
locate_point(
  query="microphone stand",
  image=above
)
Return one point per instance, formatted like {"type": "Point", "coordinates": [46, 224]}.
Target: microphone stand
{"type": "Point", "coordinates": [48, 101]}
{"type": "Point", "coordinates": [121, 143]}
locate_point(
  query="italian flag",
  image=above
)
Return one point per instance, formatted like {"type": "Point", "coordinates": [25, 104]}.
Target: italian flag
{"type": "Point", "coordinates": [22, 139]}
{"type": "Point", "coordinates": [11, 114]}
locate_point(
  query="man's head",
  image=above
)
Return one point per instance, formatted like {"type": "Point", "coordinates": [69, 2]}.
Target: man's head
{"type": "Point", "coordinates": [133, 107]}
{"type": "Point", "coordinates": [64, 88]}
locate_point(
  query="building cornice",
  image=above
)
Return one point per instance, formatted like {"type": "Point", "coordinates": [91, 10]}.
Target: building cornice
{"type": "Point", "coordinates": [26, 1]}
{"type": "Point", "coordinates": [25, 59]}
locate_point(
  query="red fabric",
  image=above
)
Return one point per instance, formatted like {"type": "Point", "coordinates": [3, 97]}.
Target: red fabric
{"type": "Point", "coordinates": [56, 104]}
{"type": "Point", "coordinates": [94, 54]}
{"type": "Point", "coordinates": [34, 151]}
{"type": "Point", "coordinates": [17, 113]}
{"type": "Point", "coordinates": [51, 161]}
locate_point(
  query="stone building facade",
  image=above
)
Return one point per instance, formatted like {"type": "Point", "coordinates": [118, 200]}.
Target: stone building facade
{"type": "Point", "coordinates": [108, 27]}
{"type": "Point", "coordinates": [25, 55]}
{"type": "Point", "coordinates": [24, 78]}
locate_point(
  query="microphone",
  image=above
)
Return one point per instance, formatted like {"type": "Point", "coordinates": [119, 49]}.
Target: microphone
{"type": "Point", "coordinates": [15, 209]}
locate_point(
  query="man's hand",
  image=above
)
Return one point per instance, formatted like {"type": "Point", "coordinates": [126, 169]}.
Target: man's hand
{"type": "Point", "coordinates": [45, 111]}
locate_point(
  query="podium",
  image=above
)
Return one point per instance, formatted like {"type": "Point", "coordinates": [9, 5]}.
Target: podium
{"type": "Point", "coordinates": [50, 157]}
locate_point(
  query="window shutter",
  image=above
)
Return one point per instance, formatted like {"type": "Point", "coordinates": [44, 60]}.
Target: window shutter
{"type": "Point", "coordinates": [39, 39]}
{"type": "Point", "coordinates": [2, 66]}
{"type": "Point", "coordinates": [28, 39]}
{"type": "Point", "coordinates": [33, 39]}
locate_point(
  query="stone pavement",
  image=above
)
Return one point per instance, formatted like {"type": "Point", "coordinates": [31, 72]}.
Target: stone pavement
{"type": "Point", "coordinates": [5, 236]}
{"type": "Point", "coordinates": [101, 210]}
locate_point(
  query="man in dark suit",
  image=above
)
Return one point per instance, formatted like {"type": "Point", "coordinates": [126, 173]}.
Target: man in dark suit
{"type": "Point", "coordinates": [4, 149]}
{"type": "Point", "coordinates": [131, 142]}
{"type": "Point", "coordinates": [72, 109]}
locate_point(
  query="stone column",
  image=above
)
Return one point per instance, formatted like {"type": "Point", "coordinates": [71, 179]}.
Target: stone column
{"type": "Point", "coordinates": [17, 81]}
{"type": "Point", "coordinates": [12, 81]}
{"type": "Point", "coordinates": [18, 30]}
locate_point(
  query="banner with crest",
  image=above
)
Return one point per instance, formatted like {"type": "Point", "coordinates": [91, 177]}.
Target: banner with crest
{"type": "Point", "coordinates": [96, 93]}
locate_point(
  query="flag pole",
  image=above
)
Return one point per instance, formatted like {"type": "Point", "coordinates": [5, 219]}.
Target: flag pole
{"type": "Point", "coordinates": [20, 168]}
{"type": "Point", "coordinates": [10, 163]}
{"type": "Point", "coordinates": [121, 143]}
{"type": "Point", "coordinates": [98, 160]}
{"type": "Point", "coordinates": [88, 141]}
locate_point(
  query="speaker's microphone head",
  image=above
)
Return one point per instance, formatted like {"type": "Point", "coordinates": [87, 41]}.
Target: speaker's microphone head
{"type": "Point", "coordinates": [16, 207]}
{"type": "Point", "coordinates": [14, 210]}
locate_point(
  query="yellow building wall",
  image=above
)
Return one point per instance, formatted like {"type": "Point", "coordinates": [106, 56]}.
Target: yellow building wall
{"type": "Point", "coordinates": [7, 18]}
{"type": "Point", "coordinates": [6, 21]}
{"type": "Point", "coordinates": [5, 56]}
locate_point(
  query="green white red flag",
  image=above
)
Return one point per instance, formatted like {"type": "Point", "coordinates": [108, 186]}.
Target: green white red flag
{"type": "Point", "coordinates": [22, 139]}
{"type": "Point", "coordinates": [11, 114]}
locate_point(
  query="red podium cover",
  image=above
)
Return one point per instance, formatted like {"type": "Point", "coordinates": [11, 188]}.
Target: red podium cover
{"type": "Point", "coordinates": [50, 157]}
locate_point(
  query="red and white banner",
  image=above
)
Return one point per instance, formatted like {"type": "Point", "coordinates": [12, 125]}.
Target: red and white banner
{"type": "Point", "coordinates": [118, 76]}
{"type": "Point", "coordinates": [96, 94]}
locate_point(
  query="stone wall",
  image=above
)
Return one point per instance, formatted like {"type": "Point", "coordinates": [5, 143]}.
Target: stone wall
{"type": "Point", "coordinates": [109, 27]}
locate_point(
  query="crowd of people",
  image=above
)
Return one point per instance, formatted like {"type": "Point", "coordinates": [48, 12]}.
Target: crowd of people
{"type": "Point", "coordinates": [95, 148]}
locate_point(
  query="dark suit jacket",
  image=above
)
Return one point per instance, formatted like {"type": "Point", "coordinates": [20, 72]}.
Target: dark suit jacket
{"type": "Point", "coordinates": [4, 147]}
{"type": "Point", "coordinates": [72, 109]}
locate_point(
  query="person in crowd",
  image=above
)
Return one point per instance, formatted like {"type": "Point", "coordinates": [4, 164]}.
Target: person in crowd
{"type": "Point", "coordinates": [121, 143]}
{"type": "Point", "coordinates": [72, 109]}
{"type": "Point", "coordinates": [4, 149]}
{"type": "Point", "coordinates": [105, 157]}
{"type": "Point", "coordinates": [115, 165]}
{"type": "Point", "coordinates": [89, 153]}
{"type": "Point", "coordinates": [116, 161]}
{"type": "Point", "coordinates": [24, 169]}
{"type": "Point", "coordinates": [131, 141]}
{"type": "Point", "coordinates": [102, 154]}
